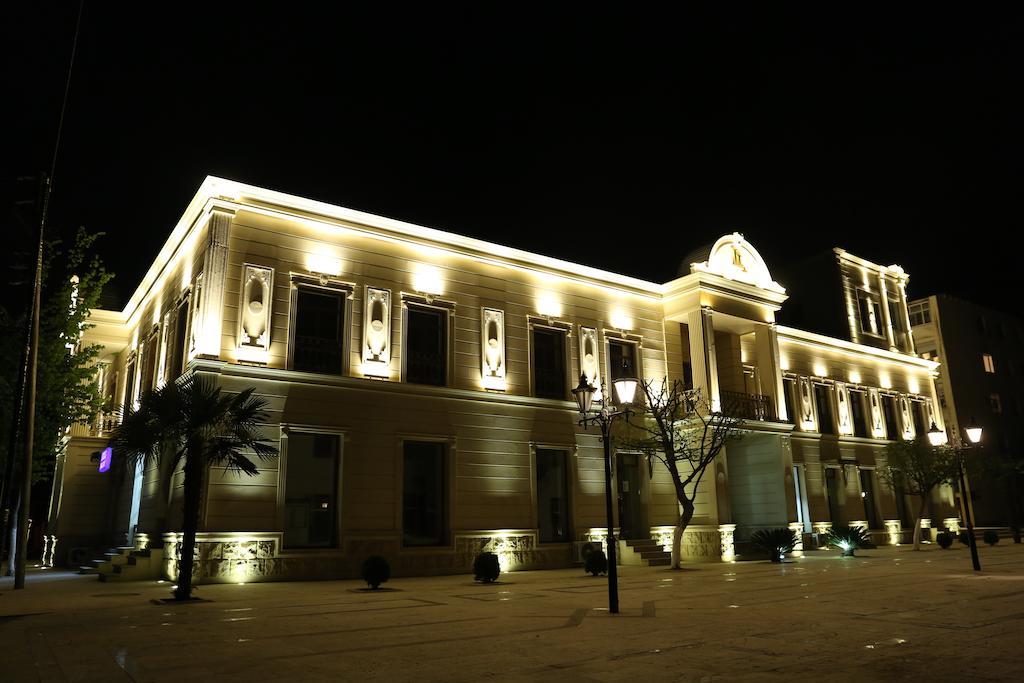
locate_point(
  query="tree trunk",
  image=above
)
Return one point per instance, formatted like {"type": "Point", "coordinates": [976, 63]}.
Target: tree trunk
{"type": "Point", "coordinates": [190, 524]}
{"type": "Point", "coordinates": [917, 522]}
{"type": "Point", "coordinates": [677, 533]}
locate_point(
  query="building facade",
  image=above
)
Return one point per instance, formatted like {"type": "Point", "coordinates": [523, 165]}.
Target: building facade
{"type": "Point", "coordinates": [419, 388]}
{"type": "Point", "coordinates": [980, 381]}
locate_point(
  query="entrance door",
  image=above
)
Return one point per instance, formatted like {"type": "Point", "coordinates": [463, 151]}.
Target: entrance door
{"type": "Point", "coordinates": [832, 490]}
{"type": "Point", "coordinates": [133, 514]}
{"type": "Point", "coordinates": [631, 521]}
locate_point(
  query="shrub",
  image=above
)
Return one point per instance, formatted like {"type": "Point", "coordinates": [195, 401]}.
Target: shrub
{"type": "Point", "coordinates": [944, 539]}
{"type": "Point", "coordinates": [964, 538]}
{"type": "Point", "coordinates": [991, 537]}
{"type": "Point", "coordinates": [848, 538]}
{"type": "Point", "coordinates": [775, 542]}
{"type": "Point", "coordinates": [486, 567]}
{"type": "Point", "coordinates": [376, 571]}
{"type": "Point", "coordinates": [596, 563]}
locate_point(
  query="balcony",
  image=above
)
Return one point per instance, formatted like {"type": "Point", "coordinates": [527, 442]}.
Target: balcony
{"type": "Point", "coordinates": [748, 406]}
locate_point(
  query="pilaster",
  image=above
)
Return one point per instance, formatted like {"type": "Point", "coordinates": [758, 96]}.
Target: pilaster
{"type": "Point", "coordinates": [703, 360]}
{"type": "Point", "coordinates": [215, 264]}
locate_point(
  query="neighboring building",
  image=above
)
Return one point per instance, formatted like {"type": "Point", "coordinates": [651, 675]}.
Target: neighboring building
{"type": "Point", "coordinates": [419, 381]}
{"type": "Point", "coordinates": [981, 380]}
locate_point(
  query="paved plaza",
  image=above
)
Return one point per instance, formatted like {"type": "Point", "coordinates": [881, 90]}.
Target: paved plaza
{"type": "Point", "coordinates": [887, 614]}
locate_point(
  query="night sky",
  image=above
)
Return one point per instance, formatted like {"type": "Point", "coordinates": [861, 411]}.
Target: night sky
{"type": "Point", "coordinates": [897, 137]}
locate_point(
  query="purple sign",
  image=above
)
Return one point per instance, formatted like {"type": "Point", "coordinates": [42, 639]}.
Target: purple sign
{"type": "Point", "coordinates": [105, 457]}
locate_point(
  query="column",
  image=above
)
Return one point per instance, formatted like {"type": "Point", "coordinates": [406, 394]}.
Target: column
{"type": "Point", "coordinates": [886, 318]}
{"type": "Point", "coordinates": [766, 342]}
{"type": "Point", "coordinates": [215, 265]}
{"type": "Point", "coordinates": [703, 361]}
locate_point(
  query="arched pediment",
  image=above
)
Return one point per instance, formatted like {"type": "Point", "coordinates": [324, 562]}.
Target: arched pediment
{"type": "Point", "coordinates": [734, 258]}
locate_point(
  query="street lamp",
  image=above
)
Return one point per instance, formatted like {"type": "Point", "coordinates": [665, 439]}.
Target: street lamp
{"type": "Point", "coordinates": [625, 391]}
{"type": "Point", "coordinates": [973, 436]}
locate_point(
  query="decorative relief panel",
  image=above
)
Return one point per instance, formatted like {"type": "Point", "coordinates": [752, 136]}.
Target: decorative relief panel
{"type": "Point", "coordinates": [492, 349]}
{"type": "Point", "coordinates": [377, 332]}
{"type": "Point", "coordinates": [254, 309]}
{"type": "Point", "coordinates": [590, 358]}
{"type": "Point", "coordinates": [905, 417]}
{"type": "Point", "coordinates": [806, 403]}
{"type": "Point", "coordinates": [877, 423]}
{"type": "Point", "coordinates": [195, 318]}
{"type": "Point", "coordinates": [843, 412]}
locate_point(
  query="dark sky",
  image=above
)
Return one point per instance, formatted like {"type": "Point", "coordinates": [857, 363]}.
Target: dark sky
{"type": "Point", "coordinates": [896, 136]}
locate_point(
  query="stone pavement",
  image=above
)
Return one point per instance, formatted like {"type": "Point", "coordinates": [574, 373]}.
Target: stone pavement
{"type": "Point", "coordinates": [887, 614]}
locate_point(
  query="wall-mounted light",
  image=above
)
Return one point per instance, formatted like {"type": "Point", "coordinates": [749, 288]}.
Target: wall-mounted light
{"type": "Point", "coordinates": [621, 320]}
{"type": "Point", "coordinates": [549, 305]}
{"type": "Point", "coordinates": [427, 279]}
{"type": "Point", "coordinates": [322, 263]}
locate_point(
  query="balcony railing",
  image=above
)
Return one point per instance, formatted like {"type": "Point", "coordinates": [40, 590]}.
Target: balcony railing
{"type": "Point", "coordinates": [748, 406]}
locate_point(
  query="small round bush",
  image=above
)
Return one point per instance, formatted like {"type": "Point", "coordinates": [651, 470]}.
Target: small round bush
{"type": "Point", "coordinates": [991, 537]}
{"type": "Point", "coordinates": [596, 563]}
{"type": "Point", "coordinates": [376, 571]}
{"type": "Point", "coordinates": [944, 539]}
{"type": "Point", "coordinates": [775, 542]}
{"type": "Point", "coordinates": [964, 538]}
{"type": "Point", "coordinates": [486, 567]}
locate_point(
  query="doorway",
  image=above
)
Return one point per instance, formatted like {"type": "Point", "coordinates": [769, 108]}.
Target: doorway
{"type": "Point", "coordinates": [631, 522]}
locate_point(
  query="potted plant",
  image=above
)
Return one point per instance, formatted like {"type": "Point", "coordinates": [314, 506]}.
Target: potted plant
{"type": "Point", "coordinates": [775, 542]}
{"type": "Point", "coordinates": [848, 539]}
{"type": "Point", "coordinates": [990, 536]}
{"type": "Point", "coordinates": [944, 539]}
{"type": "Point", "coordinates": [596, 563]}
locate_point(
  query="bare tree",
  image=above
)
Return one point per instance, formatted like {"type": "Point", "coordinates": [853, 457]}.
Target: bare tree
{"type": "Point", "coordinates": [916, 468]}
{"type": "Point", "coordinates": [681, 429]}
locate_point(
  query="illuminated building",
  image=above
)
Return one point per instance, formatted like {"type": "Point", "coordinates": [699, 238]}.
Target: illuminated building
{"type": "Point", "coordinates": [418, 385]}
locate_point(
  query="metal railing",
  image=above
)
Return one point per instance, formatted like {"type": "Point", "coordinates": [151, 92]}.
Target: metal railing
{"type": "Point", "coordinates": [748, 406]}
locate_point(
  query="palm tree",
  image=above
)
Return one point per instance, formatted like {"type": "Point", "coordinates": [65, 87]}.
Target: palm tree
{"type": "Point", "coordinates": [191, 421]}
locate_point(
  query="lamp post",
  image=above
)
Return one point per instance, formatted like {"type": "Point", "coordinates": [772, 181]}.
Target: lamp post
{"type": "Point", "coordinates": [625, 391]}
{"type": "Point", "coordinates": [935, 436]}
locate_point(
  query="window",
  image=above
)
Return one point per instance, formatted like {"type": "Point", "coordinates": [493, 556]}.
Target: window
{"type": "Point", "coordinates": [867, 493]}
{"type": "Point", "coordinates": [787, 394]}
{"type": "Point", "coordinates": [892, 428]}
{"type": "Point", "coordinates": [832, 492]}
{"type": "Point", "coordinates": [870, 315]}
{"type": "Point", "coordinates": [318, 341]}
{"type": "Point", "coordinates": [548, 363]}
{"type": "Point", "coordinates": [918, 412]}
{"type": "Point", "coordinates": [860, 423]}
{"type": "Point", "coordinates": [920, 313]}
{"type": "Point", "coordinates": [895, 315]}
{"type": "Point", "coordinates": [311, 490]}
{"type": "Point", "coordinates": [129, 385]}
{"type": "Point", "coordinates": [177, 352]}
{"type": "Point", "coordinates": [148, 376]}
{"type": "Point", "coordinates": [621, 360]}
{"type": "Point", "coordinates": [426, 345]}
{"type": "Point", "coordinates": [823, 401]}
{"type": "Point", "coordinates": [988, 363]}
{"type": "Point", "coordinates": [424, 519]}
{"type": "Point", "coordinates": [687, 375]}
{"type": "Point", "coordinates": [996, 403]}
{"type": "Point", "coordinates": [552, 496]}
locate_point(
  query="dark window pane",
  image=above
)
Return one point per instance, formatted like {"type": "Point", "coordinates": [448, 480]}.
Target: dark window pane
{"type": "Point", "coordinates": [549, 363]}
{"type": "Point", "coordinates": [787, 393]}
{"type": "Point", "coordinates": [892, 428]}
{"type": "Point", "coordinates": [311, 491]}
{"type": "Point", "coordinates": [176, 355]}
{"type": "Point", "coordinates": [423, 494]}
{"type": "Point", "coordinates": [917, 412]}
{"type": "Point", "coordinates": [867, 488]}
{"type": "Point", "coordinates": [823, 401]}
{"type": "Point", "coordinates": [832, 490]}
{"type": "Point", "coordinates": [129, 385]}
{"type": "Point", "coordinates": [621, 360]}
{"type": "Point", "coordinates": [318, 340]}
{"type": "Point", "coordinates": [860, 423]}
{"type": "Point", "coordinates": [552, 496]}
{"type": "Point", "coordinates": [426, 346]}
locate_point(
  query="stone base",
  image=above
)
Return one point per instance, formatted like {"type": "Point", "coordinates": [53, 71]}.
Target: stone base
{"type": "Point", "coordinates": [258, 556]}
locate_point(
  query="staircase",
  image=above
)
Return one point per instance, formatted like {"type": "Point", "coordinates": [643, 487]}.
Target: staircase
{"type": "Point", "coordinates": [125, 563]}
{"type": "Point", "coordinates": [643, 552]}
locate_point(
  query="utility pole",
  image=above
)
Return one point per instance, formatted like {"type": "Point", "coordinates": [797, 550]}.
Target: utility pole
{"type": "Point", "coordinates": [33, 354]}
